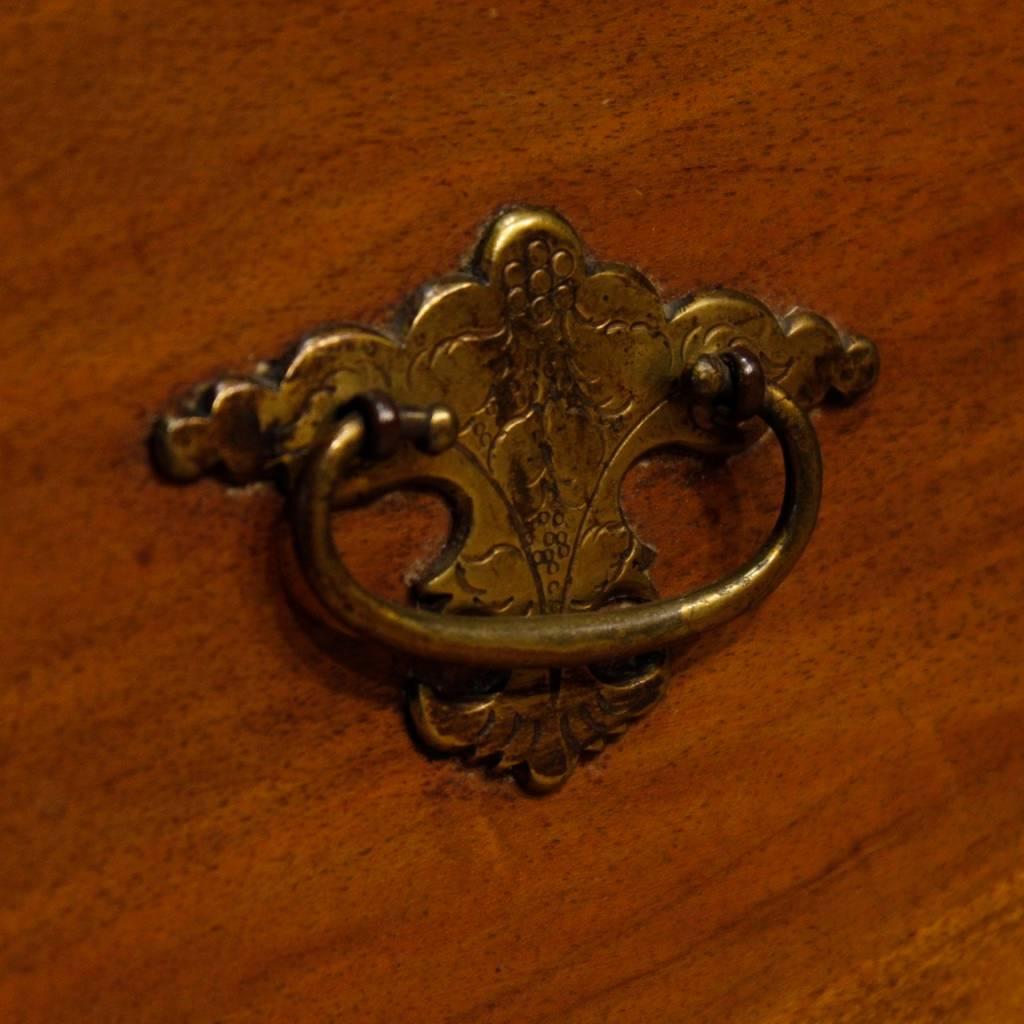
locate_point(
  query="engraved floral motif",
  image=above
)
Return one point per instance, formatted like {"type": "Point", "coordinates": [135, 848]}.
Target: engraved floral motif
{"type": "Point", "coordinates": [562, 374]}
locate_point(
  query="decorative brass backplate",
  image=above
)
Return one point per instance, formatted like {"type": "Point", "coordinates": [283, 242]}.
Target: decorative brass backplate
{"type": "Point", "coordinates": [562, 373]}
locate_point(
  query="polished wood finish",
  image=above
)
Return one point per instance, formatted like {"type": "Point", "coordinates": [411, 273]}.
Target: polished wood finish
{"type": "Point", "coordinates": [210, 813]}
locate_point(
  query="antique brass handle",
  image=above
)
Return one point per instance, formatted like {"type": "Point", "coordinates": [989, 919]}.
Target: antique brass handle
{"type": "Point", "coordinates": [561, 639]}
{"type": "Point", "coordinates": [524, 388]}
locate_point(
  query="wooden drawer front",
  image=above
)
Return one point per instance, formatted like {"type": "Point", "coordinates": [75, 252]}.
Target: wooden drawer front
{"type": "Point", "coordinates": [214, 814]}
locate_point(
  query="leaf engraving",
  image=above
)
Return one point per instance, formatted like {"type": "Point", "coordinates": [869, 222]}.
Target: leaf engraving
{"type": "Point", "coordinates": [562, 374]}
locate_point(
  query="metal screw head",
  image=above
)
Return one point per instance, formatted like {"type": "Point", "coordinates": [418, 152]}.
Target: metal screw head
{"type": "Point", "coordinates": [442, 429]}
{"type": "Point", "coordinates": [732, 381]}
{"type": "Point", "coordinates": [709, 378]}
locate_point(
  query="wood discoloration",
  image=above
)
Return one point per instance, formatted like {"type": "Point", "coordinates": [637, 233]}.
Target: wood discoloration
{"type": "Point", "coordinates": [210, 812]}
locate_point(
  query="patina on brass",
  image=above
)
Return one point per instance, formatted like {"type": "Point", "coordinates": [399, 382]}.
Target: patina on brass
{"type": "Point", "coordinates": [524, 389]}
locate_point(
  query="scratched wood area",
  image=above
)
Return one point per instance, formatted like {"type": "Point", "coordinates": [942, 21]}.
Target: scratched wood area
{"type": "Point", "coordinates": [210, 813]}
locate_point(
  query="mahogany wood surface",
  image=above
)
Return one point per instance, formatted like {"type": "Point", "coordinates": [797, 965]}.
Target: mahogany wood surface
{"type": "Point", "coordinates": [210, 813]}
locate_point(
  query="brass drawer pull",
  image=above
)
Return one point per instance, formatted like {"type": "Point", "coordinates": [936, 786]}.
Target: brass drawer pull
{"type": "Point", "coordinates": [560, 638]}
{"type": "Point", "coordinates": [524, 389]}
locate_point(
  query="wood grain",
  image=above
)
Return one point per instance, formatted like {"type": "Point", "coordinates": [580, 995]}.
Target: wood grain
{"type": "Point", "coordinates": [209, 814]}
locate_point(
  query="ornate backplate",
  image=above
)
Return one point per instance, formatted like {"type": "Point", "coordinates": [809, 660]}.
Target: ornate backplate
{"type": "Point", "coordinates": [562, 372]}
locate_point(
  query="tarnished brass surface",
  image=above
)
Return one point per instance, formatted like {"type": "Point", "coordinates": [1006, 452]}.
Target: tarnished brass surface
{"type": "Point", "coordinates": [528, 385]}
{"type": "Point", "coordinates": [556, 639]}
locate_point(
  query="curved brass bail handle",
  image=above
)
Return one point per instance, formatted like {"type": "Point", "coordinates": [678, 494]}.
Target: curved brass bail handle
{"type": "Point", "coordinates": [560, 639]}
